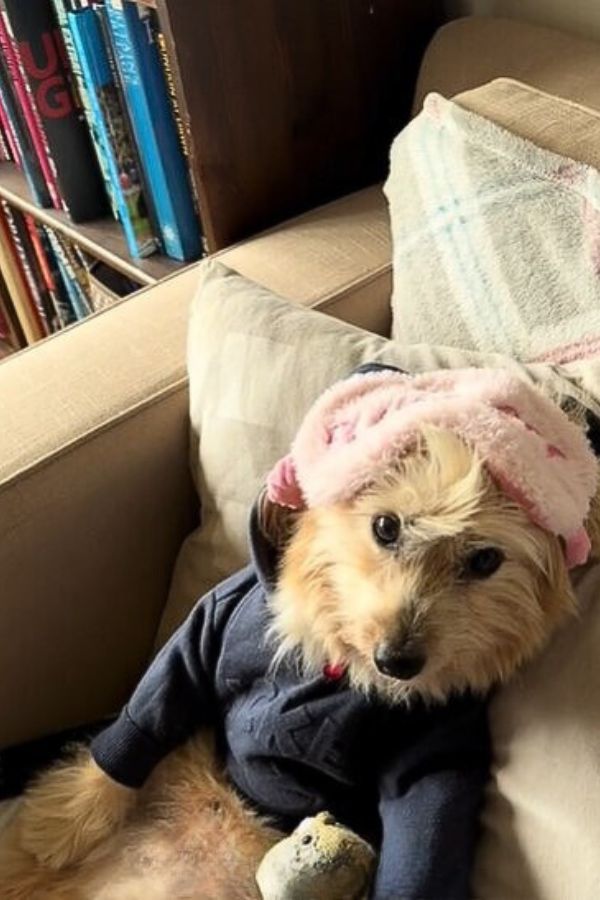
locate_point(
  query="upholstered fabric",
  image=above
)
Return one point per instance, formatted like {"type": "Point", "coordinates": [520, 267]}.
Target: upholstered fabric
{"type": "Point", "coordinates": [508, 232]}
{"type": "Point", "coordinates": [541, 824]}
{"type": "Point", "coordinates": [336, 258]}
{"type": "Point", "coordinates": [469, 52]}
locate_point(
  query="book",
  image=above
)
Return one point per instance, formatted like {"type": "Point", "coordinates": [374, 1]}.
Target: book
{"type": "Point", "coordinates": [73, 290]}
{"type": "Point", "coordinates": [9, 134]}
{"type": "Point", "coordinates": [23, 96]}
{"type": "Point", "coordinates": [165, 61]}
{"type": "Point", "coordinates": [138, 62]}
{"type": "Point", "coordinates": [112, 131]}
{"type": "Point", "coordinates": [45, 65]}
{"type": "Point", "coordinates": [56, 285]}
{"type": "Point", "coordinates": [60, 9]}
{"type": "Point", "coordinates": [11, 329]}
{"type": "Point", "coordinates": [5, 153]}
{"type": "Point", "coordinates": [17, 288]}
{"type": "Point", "coordinates": [77, 273]}
{"type": "Point", "coordinates": [25, 155]}
{"type": "Point", "coordinates": [26, 260]}
{"type": "Point", "coordinates": [60, 314]}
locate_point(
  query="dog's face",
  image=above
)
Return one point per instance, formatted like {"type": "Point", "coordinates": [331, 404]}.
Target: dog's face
{"type": "Point", "coordinates": [430, 580]}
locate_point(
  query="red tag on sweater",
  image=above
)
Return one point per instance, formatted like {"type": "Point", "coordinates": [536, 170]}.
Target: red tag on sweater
{"type": "Point", "coordinates": [333, 672]}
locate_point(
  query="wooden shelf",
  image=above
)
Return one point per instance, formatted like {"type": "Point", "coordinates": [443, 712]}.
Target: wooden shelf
{"type": "Point", "coordinates": [102, 239]}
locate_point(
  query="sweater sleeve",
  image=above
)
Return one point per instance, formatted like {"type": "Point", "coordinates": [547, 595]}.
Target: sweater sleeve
{"type": "Point", "coordinates": [430, 800]}
{"type": "Point", "coordinates": [174, 698]}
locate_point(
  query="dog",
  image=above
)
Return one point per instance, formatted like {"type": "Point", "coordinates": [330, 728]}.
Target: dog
{"type": "Point", "coordinates": [427, 581]}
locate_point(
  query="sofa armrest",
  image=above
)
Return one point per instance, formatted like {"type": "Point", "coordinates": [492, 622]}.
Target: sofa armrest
{"type": "Point", "coordinates": [336, 258]}
{"type": "Point", "coordinates": [95, 500]}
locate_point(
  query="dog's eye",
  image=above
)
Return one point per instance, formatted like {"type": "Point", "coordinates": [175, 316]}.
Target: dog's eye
{"type": "Point", "coordinates": [386, 529]}
{"type": "Point", "coordinates": [483, 563]}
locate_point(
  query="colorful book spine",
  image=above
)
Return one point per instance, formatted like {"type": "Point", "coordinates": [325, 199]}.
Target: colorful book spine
{"type": "Point", "coordinates": [26, 155]}
{"type": "Point", "coordinates": [73, 290]}
{"type": "Point", "coordinates": [60, 315]}
{"type": "Point", "coordinates": [112, 129]}
{"type": "Point", "coordinates": [19, 244]}
{"type": "Point", "coordinates": [44, 61]}
{"type": "Point", "coordinates": [5, 153]}
{"type": "Point", "coordinates": [12, 331]}
{"type": "Point", "coordinates": [9, 133]}
{"type": "Point", "coordinates": [60, 9]}
{"type": "Point", "coordinates": [32, 119]}
{"type": "Point", "coordinates": [59, 294]}
{"type": "Point", "coordinates": [138, 61]}
{"type": "Point", "coordinates": [165, 61]}
{"type": "Point", "coordinates": [17, 287]}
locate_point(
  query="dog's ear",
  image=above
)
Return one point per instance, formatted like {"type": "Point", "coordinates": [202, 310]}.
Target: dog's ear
{"type": "Point", "coordinates": [556, 595]}
{"type": "Point", "coordinates": [276, 522]}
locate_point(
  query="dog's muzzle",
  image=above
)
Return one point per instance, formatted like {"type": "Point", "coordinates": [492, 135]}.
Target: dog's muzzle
{"type": "Point", "coordinates": [402, 661]}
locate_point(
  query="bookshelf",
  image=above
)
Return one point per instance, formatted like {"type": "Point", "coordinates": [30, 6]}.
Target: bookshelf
{"type": "Point", "coordinates": [103, 238]}
{"type": "Point", "coordinates": [282, 105]}
{"type": "Point", "coordinates": [288, 104]}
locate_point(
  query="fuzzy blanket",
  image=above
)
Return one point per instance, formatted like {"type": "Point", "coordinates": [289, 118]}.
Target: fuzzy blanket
{"type": "Point", "coordinates": [496, 240]}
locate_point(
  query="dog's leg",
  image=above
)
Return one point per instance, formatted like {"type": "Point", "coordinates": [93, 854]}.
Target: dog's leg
{"type": "Point", "coordinates": [70, 810]}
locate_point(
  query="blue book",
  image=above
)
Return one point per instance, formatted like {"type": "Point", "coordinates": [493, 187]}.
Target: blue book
{"type": "Point", "coordinates": [150, 113]}
{"type": "Point", "coordinates": [112, 132]}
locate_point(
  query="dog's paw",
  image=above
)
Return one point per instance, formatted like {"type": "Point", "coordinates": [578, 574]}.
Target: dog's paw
{"type": "Point", "coordinates": [70, 810]}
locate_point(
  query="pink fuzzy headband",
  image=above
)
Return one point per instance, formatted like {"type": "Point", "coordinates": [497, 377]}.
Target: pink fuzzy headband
{"type": "Point", "coordinates": [358, 427]}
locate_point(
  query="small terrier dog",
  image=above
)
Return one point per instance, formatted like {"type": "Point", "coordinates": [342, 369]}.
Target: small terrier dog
{"type": "Point", "coordinates": [419, 558]}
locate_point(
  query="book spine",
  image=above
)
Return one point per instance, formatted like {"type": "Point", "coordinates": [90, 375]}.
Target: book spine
{"type": "Point", "coordinates": [54, 312]}
{"type": "Point", "coordinates": [68, 278]}
{"type": "Point", "coordinates": [14, 332]}
{"type": "Point", "coordinates": [5, 153]}
{"type": "Point", "coordinates": [95, 68]}
{"type": "Point", "coordinates": [27, 157]}
{"type": "Point", "coordinates": [44, 59]}
{"type": "Point", "coordinates": [78, 274]}
{"type": "Point", "coordinates": [58, 289]}
{"type": "Point", "coordinates": [155, 133]}
{"type": "Point", "coordinates": [17, 288]}
{"type": "Point", "coordinates": [32, 119]}
{"type": "Point", "coordinates": [20, 248]}
{"type": "Point", "coordinates": [165, 63]}
{"type": "Point", "coordinates": [61, 15]}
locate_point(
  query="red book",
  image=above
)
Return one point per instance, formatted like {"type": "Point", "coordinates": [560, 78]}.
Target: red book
{"type": "Point", "coordinates": [30, 113]}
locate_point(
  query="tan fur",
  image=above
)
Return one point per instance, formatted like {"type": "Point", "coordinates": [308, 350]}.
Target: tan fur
{"type": "Point", "coordinates": [71, 810]}
{"type": "Point", "coordinates": [339, 593]}
{"type": "Point", "coordinates": [189, 836]}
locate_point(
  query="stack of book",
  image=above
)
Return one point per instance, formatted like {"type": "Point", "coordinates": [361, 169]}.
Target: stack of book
{"type": "Point", "coordinates": [88, 113]}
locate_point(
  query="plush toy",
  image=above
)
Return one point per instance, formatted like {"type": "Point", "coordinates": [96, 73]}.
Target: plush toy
{"type": "Point", "coordinates": [320, 860]}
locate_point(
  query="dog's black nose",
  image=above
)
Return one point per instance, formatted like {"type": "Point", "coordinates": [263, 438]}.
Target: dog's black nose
{"type": "Point", "coordinates": [398, 662]}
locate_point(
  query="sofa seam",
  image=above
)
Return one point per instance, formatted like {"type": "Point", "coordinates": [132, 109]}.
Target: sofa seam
{"type": "Point", "coordinates": [68, 447]}
{"type": "Point", "coordinates": [333, 297]}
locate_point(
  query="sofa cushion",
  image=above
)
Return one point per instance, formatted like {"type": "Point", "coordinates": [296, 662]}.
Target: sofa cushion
{"type": "Point", "coordinates": [496, 239]}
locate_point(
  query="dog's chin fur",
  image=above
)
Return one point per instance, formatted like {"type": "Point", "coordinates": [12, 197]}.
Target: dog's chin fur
{"type": "Point", "coordinates": [340, 593]}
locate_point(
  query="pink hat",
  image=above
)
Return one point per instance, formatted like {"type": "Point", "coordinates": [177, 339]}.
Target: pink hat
{"type": "Point", "coordinates": [361, 425]}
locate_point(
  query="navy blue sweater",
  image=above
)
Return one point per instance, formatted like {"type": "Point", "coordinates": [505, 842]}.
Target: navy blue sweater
{"type": "Point", "coordinates": [408, 779]}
